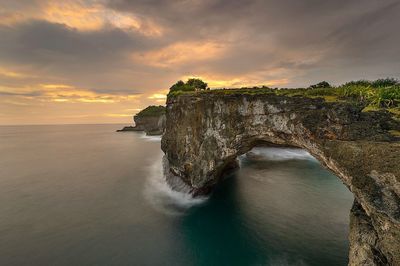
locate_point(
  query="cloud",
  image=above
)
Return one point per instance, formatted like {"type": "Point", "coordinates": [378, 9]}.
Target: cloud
{"type": "Point", "coordinates": [303, 37]}
{"type": "Point", "coordinates": [8, 73]}
{"type": "Point", "coordinates": [109, 50]}
{"type": "Point", "coordinates": [180, 53]}
{"type": "Point", "coordinates": [64, 93]}
{"type": "Point", "coordinates": [97, 59]}
{"type": "Point", "coordinates": [79, 14]}
{"type": "Point", "coordinates": [42, 42]}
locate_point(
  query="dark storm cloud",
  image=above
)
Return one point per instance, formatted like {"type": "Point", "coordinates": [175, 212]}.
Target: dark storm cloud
{"type": "Point", "coordinates": [306, 40]}
{"type": "Point", "coordinates": [301, 35]}
{"type": "Point", "coordinates": [373, 29]}
{"type": "Point", "coordinates": [28, 94]}
{"type": "Point", "coordinates": [43, 42]}
{"type": "Point", "coordinates": [88, 56]}
{"type": "Point", "coordinates": [101, 60]}
{"type": "Point", "coordinates": [202, 18]}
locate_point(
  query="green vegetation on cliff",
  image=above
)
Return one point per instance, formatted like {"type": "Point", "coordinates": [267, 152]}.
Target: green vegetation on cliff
{"type": "Point", "coordinates": [152, 110]}
{"type": "Point", "coordinates": [192, 84]}
{"type": "Point", "coordinates": [378, 97]}
{"type": "Point", "coordinates": [373, 95]}
{"type": "Point", "coordinates": [322, 84]}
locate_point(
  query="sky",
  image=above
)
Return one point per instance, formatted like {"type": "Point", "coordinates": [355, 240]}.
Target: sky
{"type": "Point", "coordinates": [101, 61]}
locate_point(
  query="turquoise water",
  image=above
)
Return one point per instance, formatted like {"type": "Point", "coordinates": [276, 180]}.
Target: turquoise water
{"type": "Point", "coordinates": [85, 195]}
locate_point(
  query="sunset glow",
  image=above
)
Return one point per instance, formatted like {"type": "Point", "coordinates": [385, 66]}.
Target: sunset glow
{"type": "Point", "coordinates": [90, 60]}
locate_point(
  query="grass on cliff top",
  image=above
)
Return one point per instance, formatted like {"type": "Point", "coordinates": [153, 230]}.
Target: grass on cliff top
{"type": "Point", "coordinates": [374, 95]}
{"type": "Point", "coordinates": [152, 110]}
{"type": "Point", "coordinates": [225, 91]}
{"type": "Point", "coordinates": [395, 133]}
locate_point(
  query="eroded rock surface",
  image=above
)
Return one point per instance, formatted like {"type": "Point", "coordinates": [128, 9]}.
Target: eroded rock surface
{"type": "Point", "coordinates": [152, 125]}
{"type": "Point", "coordinates": [206, 132]}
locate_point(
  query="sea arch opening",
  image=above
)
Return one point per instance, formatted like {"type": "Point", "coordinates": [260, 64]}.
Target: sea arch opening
{"type": "Point", "coordinates": [286, 198]}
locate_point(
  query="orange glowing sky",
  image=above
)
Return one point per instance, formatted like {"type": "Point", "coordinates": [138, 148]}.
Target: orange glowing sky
{"type": "Point", "coordinates": [101, 61]}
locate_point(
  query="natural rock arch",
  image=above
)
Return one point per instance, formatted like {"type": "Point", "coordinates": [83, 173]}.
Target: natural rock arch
{"type": "Point", "coordinates": [206, 132]}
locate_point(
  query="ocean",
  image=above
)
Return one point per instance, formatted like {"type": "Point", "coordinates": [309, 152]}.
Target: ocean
{"type": "Point", "coordinates": [87, 195]}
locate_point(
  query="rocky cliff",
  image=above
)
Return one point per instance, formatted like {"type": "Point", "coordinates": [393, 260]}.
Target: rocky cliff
{"type": "Point", "coordinates": [152, 125]}
{"type": "Point", "coordinates": [150, 120]}
{"type": "Point", "coordinates": [206, 132]}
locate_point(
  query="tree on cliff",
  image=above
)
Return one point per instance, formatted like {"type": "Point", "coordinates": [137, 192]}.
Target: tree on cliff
{"type": "Point", "coordinates": [179, 86]}
{"type": "Point", "coordinates": [197, 84]}
{"type": "Point", "coordinates": [322, 84]}
{"type": "Point", "coordinates": [190, 85]}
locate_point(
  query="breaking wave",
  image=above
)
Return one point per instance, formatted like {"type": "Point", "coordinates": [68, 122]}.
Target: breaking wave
{"type": "Point", "coordinates": [162, 197]}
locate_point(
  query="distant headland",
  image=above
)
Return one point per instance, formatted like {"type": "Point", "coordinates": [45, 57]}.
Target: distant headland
{"type": "Point", "coordinates": [150, 120]}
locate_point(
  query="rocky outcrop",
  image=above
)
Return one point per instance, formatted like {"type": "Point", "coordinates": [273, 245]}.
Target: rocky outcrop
{"type": "Point", "coordinates": [152, 125]}
{"type": "Point", "coordinates": [206, 132]}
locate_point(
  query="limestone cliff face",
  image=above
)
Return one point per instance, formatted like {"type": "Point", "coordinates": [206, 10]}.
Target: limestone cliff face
{"type": "Point", "coordinates": [152, 125]}
{"type": "Point", "coordinates": [206, 132]}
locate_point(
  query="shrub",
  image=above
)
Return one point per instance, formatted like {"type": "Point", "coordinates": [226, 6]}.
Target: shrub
{"type": "Point", "coordinates": [152, 110]}
{"type": "Point", "coordinates": [320, 92]}
{"type": "Point", "coordinates": [191, 85]}
{"type": "Point", "coordinates": [387, 82]}
{"type": "Point", "coordinates": [322, 84]}
{"type": "Point", "coordinates": [354, 91]}
{"type": "Point", "coordinates": [197, 84]}
{"type": "Point", "coordinates": [362, 82]}
{"type": "Point", "coordinates": [180, 86]}
{"type": "Point", "coordinates": [376, 97]}
{"type": "Point", "coordinates": [386, 97]}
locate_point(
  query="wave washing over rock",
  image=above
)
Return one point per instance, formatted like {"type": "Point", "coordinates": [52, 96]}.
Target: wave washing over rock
{"type": "Point", "coordinates": [174, 197]}
{"type": "Point", "coordinates": [161, 195]}
{"type": "Point", "coordinates": [150, 138]}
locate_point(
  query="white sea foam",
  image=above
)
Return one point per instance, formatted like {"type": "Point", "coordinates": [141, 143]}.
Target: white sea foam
{"type": "Point", "coordinates": [150, 138]}
{"type": "Point", "coordinates": [285, 261]}
{"type": "Point", "coordinates": [164, 199]}
{"type": "Point", "coordinates": [279, 154]}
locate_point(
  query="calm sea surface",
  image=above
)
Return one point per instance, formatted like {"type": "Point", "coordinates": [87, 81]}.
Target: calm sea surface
{"type": "Point", "coordinates": [86, 195]}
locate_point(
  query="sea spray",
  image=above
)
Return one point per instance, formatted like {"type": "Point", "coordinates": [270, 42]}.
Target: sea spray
{"type": "Point", "coordinates": [150, 138]}
{"type": "Point", "coordinates": [279, 154]}
{"type": "Point", "coordinates": [170, 197]}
